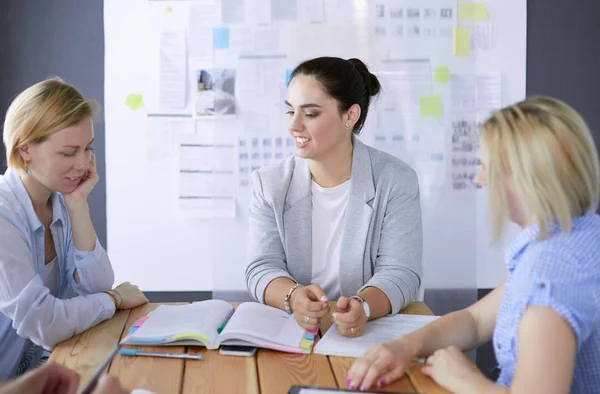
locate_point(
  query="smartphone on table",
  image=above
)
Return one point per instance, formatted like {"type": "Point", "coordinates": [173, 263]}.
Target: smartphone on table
{"type": "Point", "coordinates": [237, 350]}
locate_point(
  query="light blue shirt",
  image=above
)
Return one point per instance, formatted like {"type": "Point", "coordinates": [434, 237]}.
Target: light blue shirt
{"type": "Point", "coordinates": [561, 272]}
{"type": "Point", "coordinates": [27, 309]}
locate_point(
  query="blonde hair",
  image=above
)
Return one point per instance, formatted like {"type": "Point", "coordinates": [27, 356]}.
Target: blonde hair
{"type": "Point", "coordinates": [544, 146]}
{"type": "Point", "coordinates": [40, 111]}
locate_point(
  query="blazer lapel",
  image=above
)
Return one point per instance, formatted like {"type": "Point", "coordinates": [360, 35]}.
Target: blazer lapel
{"type": "Point", "coordinates": [358, 219]}
{"type": "Point", "coordinates": [297, 224]}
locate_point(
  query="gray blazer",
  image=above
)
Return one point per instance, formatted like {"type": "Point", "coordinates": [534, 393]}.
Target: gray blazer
{"type": "Point", "coordinates": [382, 243]}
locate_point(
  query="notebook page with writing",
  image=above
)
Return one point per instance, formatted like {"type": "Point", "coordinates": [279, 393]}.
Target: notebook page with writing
{"type": "Point", "coordinates": [170, 323]}
{"type": "Point", "coordinates": [378, 331]}
{"type": "Point", "coordinates": [262, 324]}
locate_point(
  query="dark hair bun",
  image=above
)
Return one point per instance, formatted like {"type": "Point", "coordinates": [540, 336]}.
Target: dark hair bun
{"type": "Point", "coordinates": [371, 81]}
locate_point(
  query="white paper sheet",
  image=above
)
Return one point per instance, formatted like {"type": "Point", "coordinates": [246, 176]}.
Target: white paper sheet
{"type": "Point", "coordinates": [377, 331]}
{"type": "Point", "coordinates": [284, 11]}
{"type": "Point", "coordinates": [207, 208]}
{"type": "Point", "coordinates": [310, 11]}
{"type": "Point", "coordinates": [203, 16]}
{"type": "Point", "coordinates": [476, 92]}
{"type": "Point", "coordinates": [173, 69]}
{"type": "Point", "coordinates": [464, 129]}
{"type": "Point", "coordinates": [258, 12]}
{"type": "Point", "coordinates": [233, 11]}
{"type": "Point", "coordinates": [163, 132]}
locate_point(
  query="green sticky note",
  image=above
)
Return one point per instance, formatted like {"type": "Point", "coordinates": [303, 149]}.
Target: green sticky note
{"type": "Point", "coordinates": [431, 106]}
{"type": "Point", "coordinates": [469, 12]}
{"type": "Point", "coordinates": [134, 101]}
{"type": "Point", "coordinates": [441, 74]}
{"type": "Point", "coordinates": [461, 40]}
{"type": "Point", "coordinates": [169, 9]}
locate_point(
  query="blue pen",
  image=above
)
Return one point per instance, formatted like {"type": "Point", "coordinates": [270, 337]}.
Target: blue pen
{"type": "Point", "coordinates": [222, 326]}
{"type": "Point", "coordinates": [135, 352]}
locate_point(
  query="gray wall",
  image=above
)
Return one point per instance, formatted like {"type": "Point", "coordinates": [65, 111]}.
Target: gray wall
{"type": "Point", "coordinates": [563, 55]}
{"type": "Point", "coordinates": [64, 38]}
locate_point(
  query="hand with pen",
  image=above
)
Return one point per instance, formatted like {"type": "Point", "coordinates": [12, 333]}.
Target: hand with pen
{"type": "Point", "coordinates": [53, 378]}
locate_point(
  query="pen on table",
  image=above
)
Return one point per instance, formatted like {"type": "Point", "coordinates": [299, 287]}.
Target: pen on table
{"type": "Point", "coordinates": [135, 352]}
{"type": "Point", "coordinates": [222, 326]}
{"type": "Point", "coordinates": [92, 383]}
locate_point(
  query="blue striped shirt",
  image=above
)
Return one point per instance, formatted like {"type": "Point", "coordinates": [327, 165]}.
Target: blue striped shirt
{"type": "Point", "coordinates": [561, 272]}
{"type": "Point", "coordinates": [27, 309]}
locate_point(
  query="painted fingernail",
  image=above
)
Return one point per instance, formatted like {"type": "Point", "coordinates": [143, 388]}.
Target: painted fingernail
{"type": "Point", "coordinates": [346, 376]}
{"type": "Point", "coordinates": [363, 388]}
{"type": "Point", "coordinates": [352, 385]}
{"type": "Point", "coordinates": [348, 382]}
{"type": "Point", "coordinates": [381, 383]}
{"type": "Point", "coordinates": [335, 315]}
{"type": "Point", "coordinates": [323, 298]}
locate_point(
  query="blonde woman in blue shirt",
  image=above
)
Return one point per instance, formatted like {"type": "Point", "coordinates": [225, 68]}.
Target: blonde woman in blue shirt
{"type": "Point", "coordinates": [55, 277]}
{"type": "Point", "coordinates": [540, 165]}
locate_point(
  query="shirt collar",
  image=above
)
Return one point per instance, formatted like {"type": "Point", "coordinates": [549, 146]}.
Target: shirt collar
{"type": "Point", "coordinates": [521, 241]}
{"type": "Point", "coordinates": [18, 188]}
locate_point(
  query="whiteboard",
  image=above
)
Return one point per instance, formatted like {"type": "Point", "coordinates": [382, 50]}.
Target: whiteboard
{"type": "Point", "coordinates": [194, 96]}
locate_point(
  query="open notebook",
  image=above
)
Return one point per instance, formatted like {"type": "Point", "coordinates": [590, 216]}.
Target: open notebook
{"type": "Point", "coordinates": [378, 331]}
{"type": "Point", "coordinates": [214, 323]}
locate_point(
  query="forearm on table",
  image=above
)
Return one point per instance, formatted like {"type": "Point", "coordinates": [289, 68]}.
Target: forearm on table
{"type": "Point", "coordinates": [456, 328]}
{"type": "Point", "coordinates": [276, 291]}
{"type": "Point", "coordinates": [378, 301]}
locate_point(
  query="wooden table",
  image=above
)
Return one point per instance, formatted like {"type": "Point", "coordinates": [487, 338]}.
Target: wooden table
{"type": "Point", "coordinates": [268, 372]}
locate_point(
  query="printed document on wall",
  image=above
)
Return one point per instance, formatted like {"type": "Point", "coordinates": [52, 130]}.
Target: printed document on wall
{"type": "Point", "coordinates": [173, 69]}
{"type": "Point", "coordinates": [203, 16]}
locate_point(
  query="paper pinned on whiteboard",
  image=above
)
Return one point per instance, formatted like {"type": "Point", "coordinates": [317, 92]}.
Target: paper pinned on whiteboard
{"type": "Point", "coordinates": [233, 11]}
{"type": "Point", "coordinates": [173, 69]}
{"type": "Point", "coordinates": [284, 11]}
{"type": "Point", "coordinates": [484, 36]}
{"type": "Point", "coordinates": [207, 208]}
{"type": "Point", "coordinates": [203, 16]}
{"type": "Point", "coordinates": [163, 132]}
{"type": "Point", "coordinates": [476, 92]}
{"type": "Point", "coordinates": [159, 141]}
{"type": "Point", "coordinates": [310, 11]}
{"type": "Point", "coordinates": [465, 129]}
{"type": "Point", "coordinates": [258, 12]}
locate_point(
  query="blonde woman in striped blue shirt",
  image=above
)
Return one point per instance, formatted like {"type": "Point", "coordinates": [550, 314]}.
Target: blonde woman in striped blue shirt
{"type": "Point", "coordinates": [55, 277]}
{"type": "Point", "coordinates": [541, 169]}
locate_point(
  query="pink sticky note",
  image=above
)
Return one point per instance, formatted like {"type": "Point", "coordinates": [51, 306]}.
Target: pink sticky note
{"type": "Point", "coordinates": [283, 349]}
{"type": "Point", "coordinates": [312, 332]}
{"type": "Point", "coordinates": [140, 321]}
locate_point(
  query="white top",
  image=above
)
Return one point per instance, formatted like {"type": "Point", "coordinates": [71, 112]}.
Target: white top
{"type": "Point", "coordinates": [328, 221]}
{"type": "Point", "coordinates": [52, 277]}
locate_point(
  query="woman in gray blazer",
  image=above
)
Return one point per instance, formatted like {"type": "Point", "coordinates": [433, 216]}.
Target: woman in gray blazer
{"type": "Point", "coordinates": [340, 220]}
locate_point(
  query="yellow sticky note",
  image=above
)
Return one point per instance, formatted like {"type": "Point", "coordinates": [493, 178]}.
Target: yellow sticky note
{"type": "Point", "coordinates": [468, 12]}
{"type": "Point", "coordinates": [169, 9]}
{"type": "Point", "coordinates": [441, 75]}
{"type": "Point", "coordinates": [134, 101]}
{"type": "Point", "coordinates": [461, 40]}
{"type": "Point", "coordinates": [306, 344]}
{"type": "Point", "coordinates": [431, 106]}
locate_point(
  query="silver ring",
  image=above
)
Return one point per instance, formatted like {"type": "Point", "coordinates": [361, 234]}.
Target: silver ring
{"type": "Point", "coordinates": [353, 330]}
{"type": "Point", "coordinates": [306, 319]}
